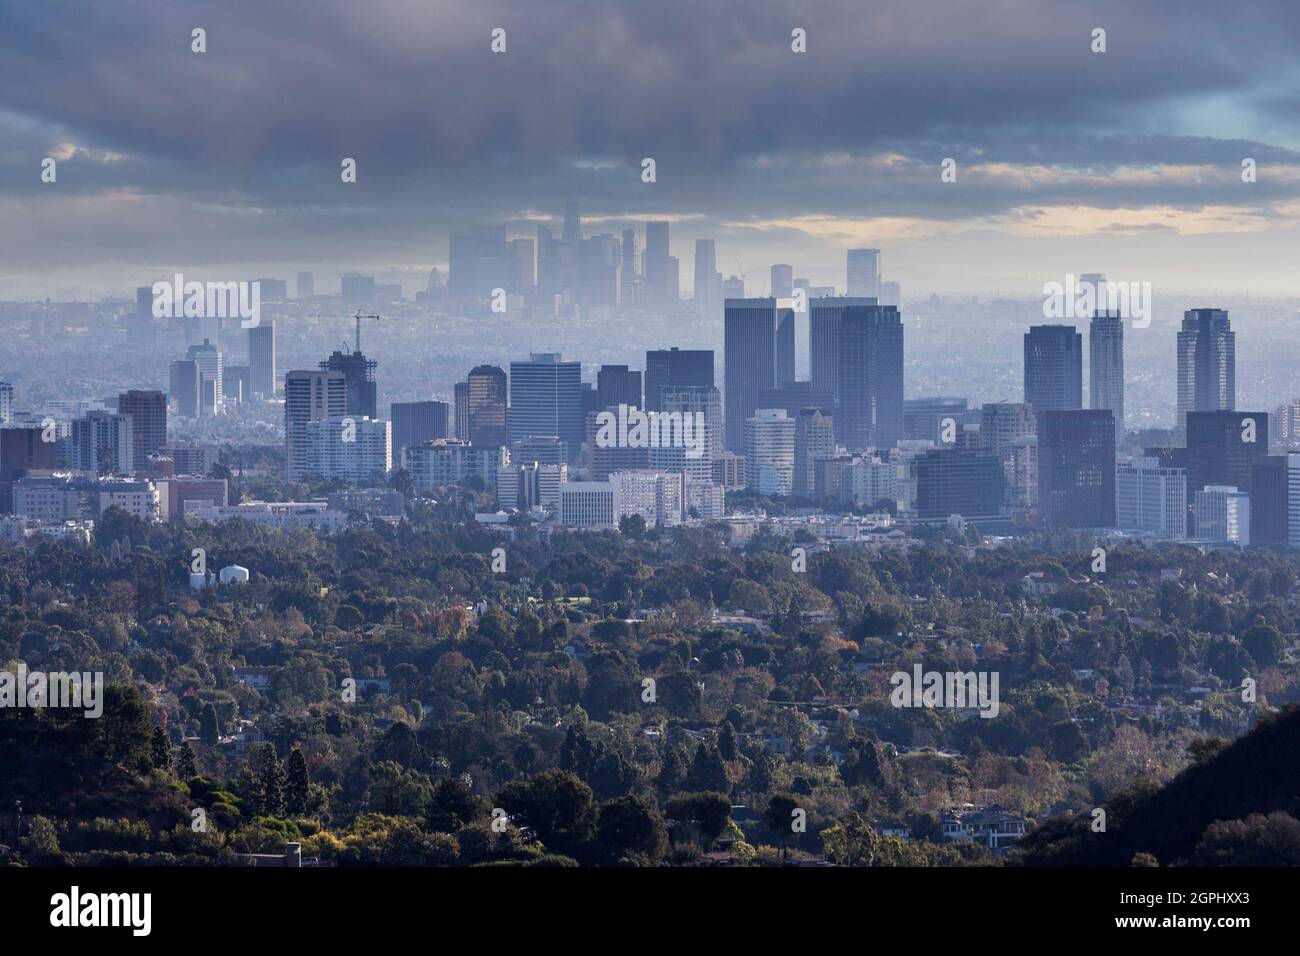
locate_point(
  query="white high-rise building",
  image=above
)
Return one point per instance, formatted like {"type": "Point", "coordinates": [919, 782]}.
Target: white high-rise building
{"type": "Point", "coordinates": [704, 405]}
{"type": "Point", "coordinates": [347, 448]}
{"type": "Point", "coordinates": [207, 360]}
{"type": "Point", "coordinates": [589, 504]}
{"type": "Point", "coordinates": [1151, 497]}
{"type": "Point", "coordinates": [864, 272]}
{"type": "Point", "coordinates": [1293, 500]}
{"type": "Point", "coordinates": [1223, 514]}
{"type": "Point", "coordinates": [657, 496]}
{"type": "Point", "coordinates": [529, 485]}
{"type": "Point", "coordinates": [451, 461]}
{"type": "Point", "coordinates": [769, 452]}
{"type": "Point", "coordinates": [103, 443]}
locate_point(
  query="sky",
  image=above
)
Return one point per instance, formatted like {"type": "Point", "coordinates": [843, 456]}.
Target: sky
{"type": "Point", "coordinates": [227, 163]}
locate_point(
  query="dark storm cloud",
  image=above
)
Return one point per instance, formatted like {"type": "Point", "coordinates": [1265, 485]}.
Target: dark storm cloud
{"type": "Point", "coordinates": [446, 132]}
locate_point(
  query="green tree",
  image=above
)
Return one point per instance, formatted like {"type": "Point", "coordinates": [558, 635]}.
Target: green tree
{"type": "Point", "coordinates": [162, 750]}
{"type": "Point", "coordinates": [187, 762]}
{"type": "Point", "coordinates": [708, 771]}
{"type": "Point", "coordinates": [298, 783]}
{"type": "Point", "coordinates": [631, 826]}
{"type": "Point", "coordinates": [708, 813]}
{"type": "Point", "coordinates": [271, 781]}
{"type": "Point", "coordinates": [557, 806]}
{"type": "Point", "coordinates": [209, 727]}
{"type": "Point", "coordinates": [779, 818]}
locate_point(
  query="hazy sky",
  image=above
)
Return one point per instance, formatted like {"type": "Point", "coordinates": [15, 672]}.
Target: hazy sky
{"type": "Point", "coordinates": [227, 163]}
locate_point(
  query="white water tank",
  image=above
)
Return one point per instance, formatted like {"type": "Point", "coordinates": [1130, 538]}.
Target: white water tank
{"type": "Point", "coordinates": [234, 573]}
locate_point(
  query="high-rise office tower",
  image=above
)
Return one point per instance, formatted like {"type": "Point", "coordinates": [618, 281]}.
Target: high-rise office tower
{"type": "Point", "coordinates": [704, 403]}
{"type": "Point", "coordinates": [6, 403]}
{"type": "Point", "coordinates": [547, 449]}
{"type": "Point", "coordinates": [356, 289]}
{"type": "Point", "coordinates": [309, 396]}
{"type": "Point", "coordinates": [183, 387]}
{"type": "Point", "coordinates": [1053, 368]}
{"type": "Point", "coordinates": [891, 293]}
{"type": "Point", "coordinates": [869, 383]}
{"type": "Point", "coordinates": [628, 279]}
{"type": "Point", "coordinates": [546, 399]}
{"type": "Point", "coordinates": [1207, 363]}
{"type": "Point", "coordinates": [785, 338]}
{"type": "Point", "coordinates": [864, 273]}
{"type": "Point", "coordinates": [460, 410]}
{"type": "Point", "coordinates": [824, 318]}
{"type": "Point", "coordinates": [103, 443]}
{"type": "Point", "coordinates": [148, 411]}
{"type": "Point", "coordinates": [23, 449]}
{"type": "Point", "coordinates": [359, 372]}
{"type": "Point", "coordinates": [1005, 429]}
{"type": "Point", "coordinates": [769, 450]}
{"type": "Point", "coordinates": [1223, 448]}
{"type": "Point", "coordinates": [486, 407]}
{"type": "Point", "coordinates": [207, 359]}
{"type": "Point", "coordinates": [660, 280]}
{"type": "Point", "coordinates": [957, 481]}
{"type": "Point", "coordinates": [344, 448]}
{"type": "Point", "coordinates": [1223, 514]}
{"type": "Point", "coordinates": [236, 384]}
{"type": "Point", "coordinates": [814, 440]}
{"type": "Point", "coordinates": [306, 285]}
{"type": "Point", "coordinates": [261, 359]}
{"type": "Point", "coordinates": [669, 368]}
{"type": "Point", "coordinates": [1269, 501]}
{"type": "Point", "coordinates": [417, 422]}
{"type": "Point", "coordinates": [749, 360]}
{"type": "Point", "coordinates": [1106, 366]}
{"type": "Point", "coordinates": [706, 271]}
{"type": "Point", "coordinates": [1076, 468]}
{"type": "Point", "coordinates": [782, 281]}
{"type": "Point", "coordinates": [617, 385]}
{"type": "Point", "coordinates": [1151, 496]}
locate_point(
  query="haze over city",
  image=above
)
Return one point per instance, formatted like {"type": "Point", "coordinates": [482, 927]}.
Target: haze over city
{"type": "Point", "coordinates": [1067, 160]}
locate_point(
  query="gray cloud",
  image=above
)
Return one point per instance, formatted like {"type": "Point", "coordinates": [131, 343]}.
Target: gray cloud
{"type": "Point", "coordinates": [237, 151]}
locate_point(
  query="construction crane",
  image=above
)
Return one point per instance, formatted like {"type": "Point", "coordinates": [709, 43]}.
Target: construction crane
{"type": "Point", "coordinates": [359, 317]}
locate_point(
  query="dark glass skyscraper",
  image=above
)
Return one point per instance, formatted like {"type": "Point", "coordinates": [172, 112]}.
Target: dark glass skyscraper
{"type": "Point", "coordinates": [1223, 448]}
{"type": "Point", "coordinates": [485, 407]}
{"type": "Point", "coordinates": [1053, 368]}
{"type": "Point", "coordinates": [824, 317]}
{"type": "Point", "coordinates": [957, 481]}
{"type": "Point", "coordinates": [417, 422]}
{"type": "Point", "coordinates": [1207, 364]}
{"type": "Point", "coordinates": [1106, 366]}
{"type": "Point", "coordinates": [617, 385]}
{"type": "Point", "coordinates": [869, 385]}
{"type": "Point", "coordinates": [674, 368]}
{"type": "Point", "coordinates": [359, 373]}
{"type": "Point", "coordinates": [546, 399]}
{"type": "Point", "coordinates": [1076, 468]}
{"type": "Point", "coordinates": [749, 359]}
